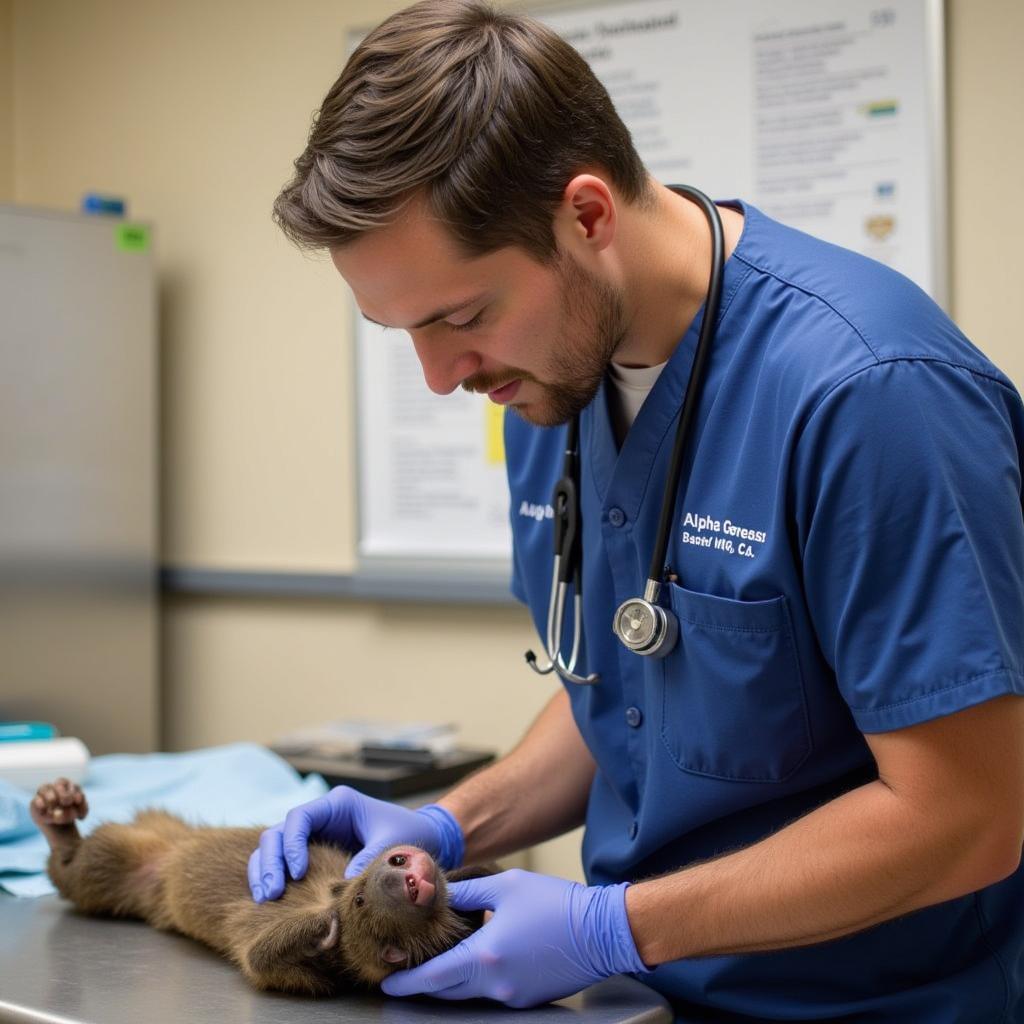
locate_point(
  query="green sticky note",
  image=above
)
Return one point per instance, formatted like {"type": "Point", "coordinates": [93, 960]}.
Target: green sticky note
{"type": "Point", "coordinates": [132, 237]}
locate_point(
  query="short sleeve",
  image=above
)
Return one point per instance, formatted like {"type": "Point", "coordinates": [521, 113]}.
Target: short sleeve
{"type": "Point", "coordinates": [907, 494]}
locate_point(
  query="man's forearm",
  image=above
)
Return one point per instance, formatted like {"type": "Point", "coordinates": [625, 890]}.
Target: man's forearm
{"type": "Point", "coordinates": [537, 791]}
{"type": "Point", "coordinates": [861, 859]}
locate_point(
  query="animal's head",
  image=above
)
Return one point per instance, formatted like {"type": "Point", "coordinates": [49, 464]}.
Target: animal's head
{"type": "Point", "coordinates": [396, 915]}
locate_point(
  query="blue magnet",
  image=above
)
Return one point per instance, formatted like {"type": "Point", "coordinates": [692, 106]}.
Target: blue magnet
{"type": "Point", "coordinates": [109, 206]}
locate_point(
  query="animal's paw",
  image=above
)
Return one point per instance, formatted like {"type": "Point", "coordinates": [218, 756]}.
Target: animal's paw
{"type": "Point", "coordinates": [327, 940]}
{"type": "Point", "coordinates": [58, 803]}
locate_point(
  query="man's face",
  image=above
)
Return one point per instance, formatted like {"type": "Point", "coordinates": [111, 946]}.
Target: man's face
{"type": "Point", "coordinates": [536, 338]}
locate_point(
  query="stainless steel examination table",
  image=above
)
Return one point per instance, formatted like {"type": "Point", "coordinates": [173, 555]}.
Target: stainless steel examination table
{"type": "Point", "coordinates": [58, 967]}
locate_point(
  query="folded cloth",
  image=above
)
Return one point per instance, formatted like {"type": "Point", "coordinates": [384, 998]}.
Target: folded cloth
{"type": "Point", "coordinates": [238, 784]}
{"type": "Point", "coordinates": [15, 821]}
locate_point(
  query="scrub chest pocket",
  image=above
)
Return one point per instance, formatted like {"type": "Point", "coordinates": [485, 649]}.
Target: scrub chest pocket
{"type": "Point", "coordinates": [733, 704]}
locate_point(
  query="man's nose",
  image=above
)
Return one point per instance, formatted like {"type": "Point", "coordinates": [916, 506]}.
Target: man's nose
{"type": "Point", "coordinates": [445, 366]}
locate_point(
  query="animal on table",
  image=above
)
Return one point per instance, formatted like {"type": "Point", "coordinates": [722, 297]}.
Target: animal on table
{"type": "Point", "coordinates": [326, 933]}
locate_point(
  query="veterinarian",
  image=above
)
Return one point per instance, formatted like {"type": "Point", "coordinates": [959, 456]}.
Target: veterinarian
{"type": "Point", "coordinates": [807, 802]}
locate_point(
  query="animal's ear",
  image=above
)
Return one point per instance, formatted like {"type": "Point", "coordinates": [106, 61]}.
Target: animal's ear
{"type": "Point", "coordinates": [394, 955]}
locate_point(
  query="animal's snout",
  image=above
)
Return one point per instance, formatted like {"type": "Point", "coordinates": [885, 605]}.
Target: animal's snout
{"type": "Point", "coordinates": [419, 890]}
{"type": "Point", "coordinates": [409, 887]}
{"type": "Point", "coordinates": [411, 877]}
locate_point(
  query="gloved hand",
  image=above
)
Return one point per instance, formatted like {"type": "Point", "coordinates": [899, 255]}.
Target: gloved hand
{"type": "Point", "coordinates": [352, 820]}
{"type": "Point", "coordinates": [548, 938]}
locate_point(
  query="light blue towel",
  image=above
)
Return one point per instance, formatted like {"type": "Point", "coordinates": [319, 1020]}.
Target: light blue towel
{"type": "Point", "coordinates": [239, 784]}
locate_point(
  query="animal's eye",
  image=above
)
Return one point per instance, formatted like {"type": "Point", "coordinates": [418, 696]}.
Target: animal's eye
{"type": "Point", "coordinates": [398, 861]}
{"type": "Point", "coordinates": [359, 900]}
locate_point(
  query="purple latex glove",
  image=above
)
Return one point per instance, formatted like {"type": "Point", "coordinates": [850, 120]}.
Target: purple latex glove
{"type": "Point", "coordinates": [548, 938]}
{"type": "Point", "coordinates": [353, 821]}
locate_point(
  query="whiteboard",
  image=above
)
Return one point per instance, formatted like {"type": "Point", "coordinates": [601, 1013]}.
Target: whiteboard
{"type": "Point", "coordinates": [828, 115]}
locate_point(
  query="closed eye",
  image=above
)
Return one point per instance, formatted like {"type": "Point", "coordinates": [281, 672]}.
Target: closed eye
{"type": "Point", "coordinates": [469, 324]}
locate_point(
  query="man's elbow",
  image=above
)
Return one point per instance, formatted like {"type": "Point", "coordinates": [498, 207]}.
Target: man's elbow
{"type": "Point", "coordinates": [996, 854]}
{"type": "Point", "coordinates": [1011, 837]}
{"type": "Point", "coordinates": [1005, 863]}
{"type": "Point", "coordinates": [1009, 855]}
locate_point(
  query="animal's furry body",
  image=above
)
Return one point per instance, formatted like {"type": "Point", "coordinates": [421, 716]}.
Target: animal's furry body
{"type": "Point", "coordinates": [324, 934]}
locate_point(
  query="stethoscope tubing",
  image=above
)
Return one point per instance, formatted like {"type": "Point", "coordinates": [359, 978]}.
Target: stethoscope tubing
{"type": "Point", "coordinates": [693, 384]}
{"type": "Point", "coordinates": [568, 556]}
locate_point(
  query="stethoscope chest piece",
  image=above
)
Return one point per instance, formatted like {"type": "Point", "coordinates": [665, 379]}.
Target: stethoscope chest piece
{"type": "Point", "coordinates": [645, 628]}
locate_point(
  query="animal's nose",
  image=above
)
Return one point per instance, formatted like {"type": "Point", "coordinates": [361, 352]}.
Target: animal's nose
{"type": "Point", "coordinates": [409, 887]}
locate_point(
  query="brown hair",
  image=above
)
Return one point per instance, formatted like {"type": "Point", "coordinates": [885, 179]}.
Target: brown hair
{"type": "Point", "coordinates": [490, 114]}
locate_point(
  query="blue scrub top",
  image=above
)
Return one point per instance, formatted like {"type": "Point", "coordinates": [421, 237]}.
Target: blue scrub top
{"type": "Point", "coordinates": [849, 544]}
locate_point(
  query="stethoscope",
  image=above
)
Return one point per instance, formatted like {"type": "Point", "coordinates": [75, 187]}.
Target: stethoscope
{"type": "Point", "coordinates": [641, 623]}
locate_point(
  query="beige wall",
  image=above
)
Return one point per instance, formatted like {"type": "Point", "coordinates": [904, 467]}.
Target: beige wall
{"type": "Point", "coordinates": [6, 101]}
{"type": "Point", "coordinates": [986, 76]}
{"type": "Point", "coordinates": [194, 111]}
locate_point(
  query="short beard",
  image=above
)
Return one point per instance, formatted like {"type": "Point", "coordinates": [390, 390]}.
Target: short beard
{"type": "Point", "coordinates": [593, 325]}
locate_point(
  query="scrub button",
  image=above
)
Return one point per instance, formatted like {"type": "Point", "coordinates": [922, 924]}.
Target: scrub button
{"type": "Point", "coordinates": [633, 829]}
{"type": "Point", "coordinates": [616, 516]}
{"type": "Point", "coordinates": [634, 716]}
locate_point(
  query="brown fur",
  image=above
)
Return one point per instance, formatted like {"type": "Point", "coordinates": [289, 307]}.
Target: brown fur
{"type": "Point", "coordinates": [323, 935]}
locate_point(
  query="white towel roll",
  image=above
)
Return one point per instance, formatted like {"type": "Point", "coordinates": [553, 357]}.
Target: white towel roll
{"type": "Point", "coordinates": [29, 763]}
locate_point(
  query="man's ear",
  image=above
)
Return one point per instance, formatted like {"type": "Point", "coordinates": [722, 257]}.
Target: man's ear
{"type": "Point", "coordinates": [586, 218]}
